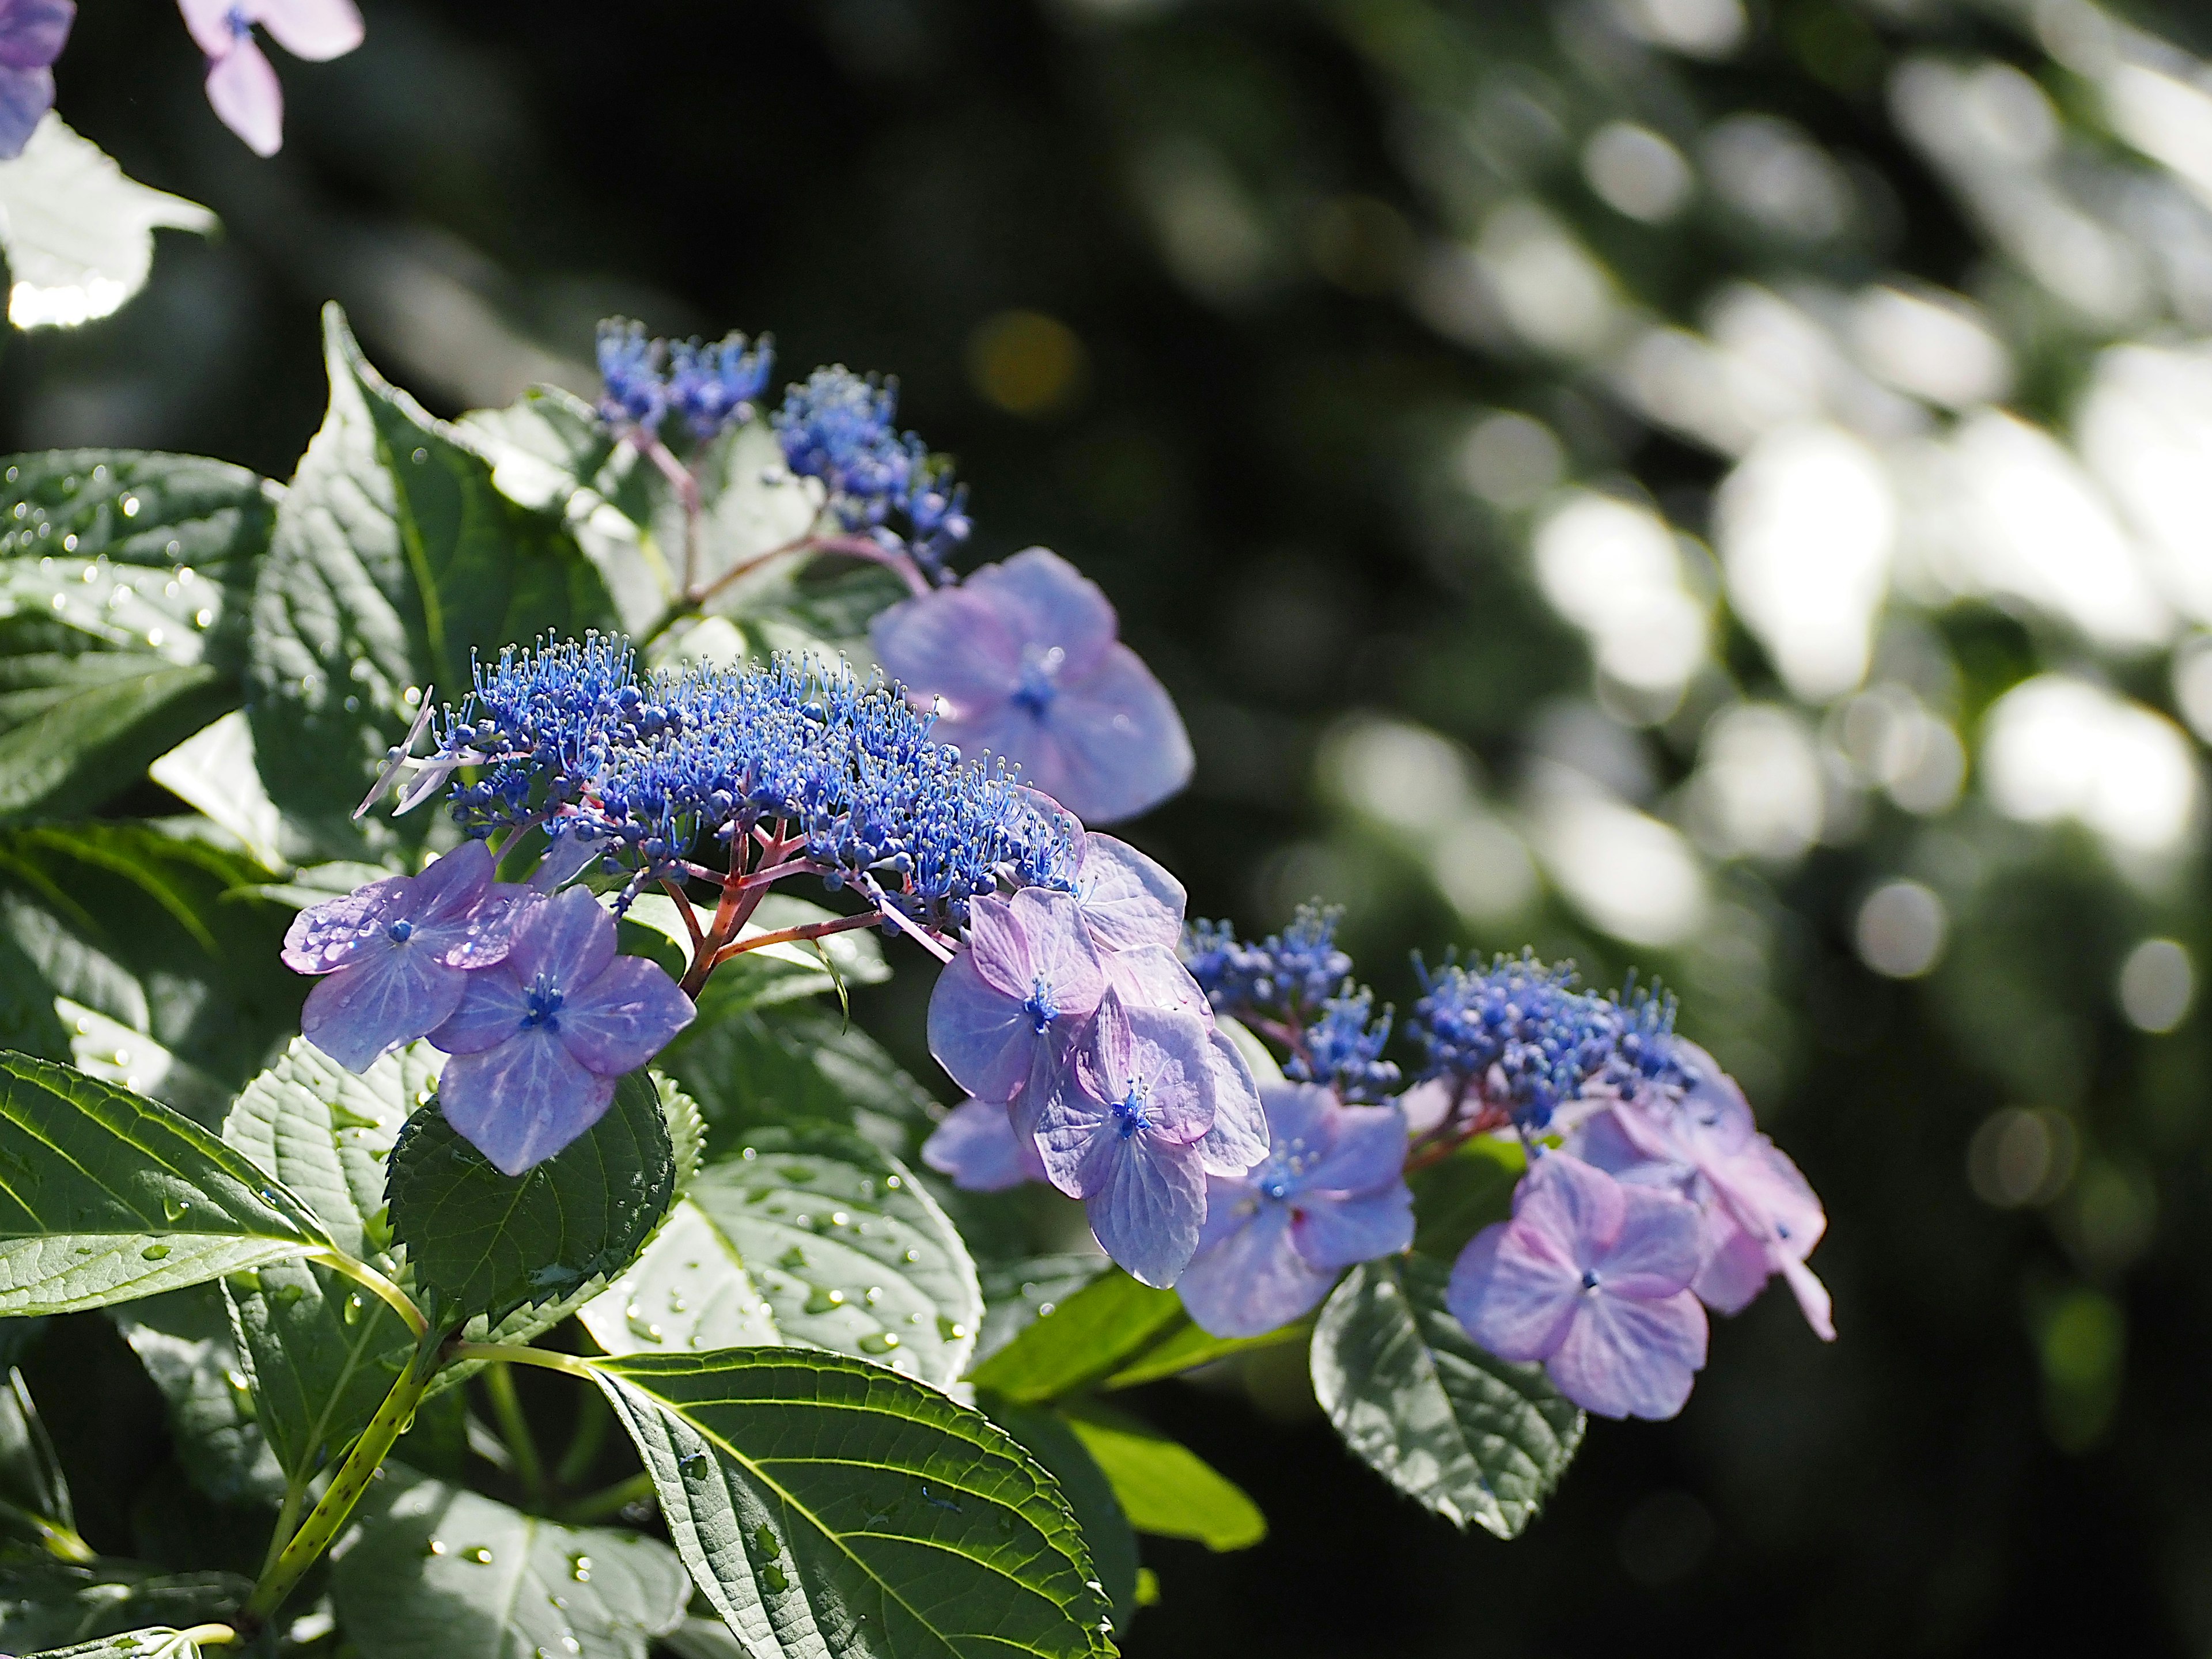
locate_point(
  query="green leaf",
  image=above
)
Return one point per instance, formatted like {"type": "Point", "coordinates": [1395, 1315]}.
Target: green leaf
{"type": "Point", "coordinates": [704, 1638]}
{"type": "Point", "coordinates": [105, 1196]}
{"type": "Point", "coordinates": [765, 1067]}
{"type": "Point", "coordinates": [149, 929]}
{"type": "Point", "coordinates": [185, 1342]}
{"type": "Point", "coordinates": [394, 558]}
{"type": "Point", "coordinates": [34, 1494]}
{"type": "Point", "coordinates": [160, 1642]}
{"type": "Point", "coordinates": [79, 235]}
{"type": "Point", "coordinates": [1015, 1294]}
{"type": "Point", "coordinates": [320, 1355]}
{"type": "Point", "coordinates": [89, 745]}
{"type": "Point", "coordinates": [1163, 1487]}
{"type": "Point", "coordinates": [1047, 1437]}
{"type": "Point", "coordinates": [829, 1507]}
{"type": "Point", "coordinates": [1099, 1329]}
{"type": "Point", "coordinates": [1187, 1346]}
{"type": "Point", "coordinates": [1457, 1197]}
{"type": "Point", "coordinates": [45, 1606]}
{"type": "Point", "coordinates": [482, 1242]}
{"type": "Point", "coordinates": [113, 1051]}
{"type": "Point", "coordinates": [215, 772]}
{"type": "Point", "coordinates": [837, 1239]}
{"type": "Point", "coordinates": [439, 1572]}
{"type": "Point", "coordinates": [1468, 1435]}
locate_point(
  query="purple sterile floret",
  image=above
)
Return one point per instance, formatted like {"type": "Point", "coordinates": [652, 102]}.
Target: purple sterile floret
{"type": "Point", "coordinates": [539, 1039]}
{"type": "Point", "coordinates": [241, 84]}
{"type": "Point", "coordinates": [1591, 1276]}
{"type": "Point", "coordinates": [1007, 1004]}
{"type": "Point", "coordinates": [979, 1148]}
{"type": "Point", "coordinates": [1122, 1134]}
{"type": "Point", "coordinates": [1761, 1215]}
{"type": "Point", "coordinates": [1129, 901]}
{"type": "Point", "coordinates": [1023, 660]}
{"type": "Point", "coordinates": [1331, 1193]}
{"type": "Point", "coordinates": [396, 953]}
{"type": "Point", "coordinates": [32, 35]}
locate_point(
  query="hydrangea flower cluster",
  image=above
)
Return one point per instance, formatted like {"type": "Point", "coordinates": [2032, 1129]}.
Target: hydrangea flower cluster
{"type": "Point", "coordinates": [1648, 1197]}
{"type": "Point", "coordinates": [712, 384]}
{"type": "Point", "coordinates": [842, 777]}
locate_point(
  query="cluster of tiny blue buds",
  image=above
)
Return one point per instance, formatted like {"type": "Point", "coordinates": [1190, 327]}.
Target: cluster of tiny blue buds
{"type": "Point", "coordinates": [1286, 977]}
{"type": "Point", "coordinates": [1525, 1035]}
{"type": "Point", "coordinates": [641, 771]}
{"type": "Point", "coordinates": [1344, 1047]}
{"type": "Point", "coordinates": [712, 384]}
{"type": "Point", "coordinates": [842, 427]}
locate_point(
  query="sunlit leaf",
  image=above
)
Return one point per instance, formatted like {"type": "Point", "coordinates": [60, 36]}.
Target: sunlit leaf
{"type": "Point", "coordinates": [1163, 1487]}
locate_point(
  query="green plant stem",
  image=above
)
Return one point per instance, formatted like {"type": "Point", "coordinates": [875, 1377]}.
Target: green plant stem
{"type": "Point", "coordinates": [591, 1419]}
{"type": "Point", "coordinates": [370, 1279]}
{"type": "Point", "coordinates": [328, 1518]}
{"type": "Point", "coordinates": [543, 1358]}
{"type": "Point", "coordinates": [210, 1635]}
{"type": "Point", "coordinates": [514, 1429]}
{"type": "Point", "coordinates": [597, 1506]}
{"type": "Point", "coordinates": [288, 1517]}
{"type": "Point", "coordinates": [60, 1542]}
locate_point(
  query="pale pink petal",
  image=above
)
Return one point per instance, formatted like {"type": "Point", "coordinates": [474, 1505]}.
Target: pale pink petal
{"type": "Point", "coordinates": [1735, 1268]}
{"type": "Point", "coordinates": [1146, 1200]}
{"type": "Point", "coordinates": [1127, 899]}
{"type": "Point", "coordinates": [624, 1016]}
{"type": "Point", "coordinates": [1367, 1149]}
{"type": "Point", "coordinates": [1070, 1129]}
{"type": "Point", "coordinates": [312, 30]}
{"type": "Point", "coordinates": [1333, 1230]}
{"type": "Point", "coordinates": [1518, 1303]}
{"type": "Point", "coordinates": [1656, 1250]}
{"type": "Point", "coordinates": [953, 644]}
{"type": "Point", "coordinates": [1627, 1358]}
{"type": "Point", "coordinates": [210, 23]}
{"type": "Point", "coordinates": [1049, 604]}
{"type": "Point", "coordinates": [243, 87]}
{"type": "Point", "coordinates": [1239, 1137]}
{"type": "Point", "coordinates": [1111, 744]}
{"type": "Point", "coordinates": [1252, 1281]}
{"type": "Point", "coordinates": [521, 1102]}
{"type": "Point", "coordinates": [1579, 1209]}
{"type": "Point", "coordinates": [1811, 1299]}
{"type": "Point", "coordinates": [985, 1040]}
{"type": "Point", "coordinates": [1153, 977]}
{"type": "Point", "coordinates": [978, 1147]}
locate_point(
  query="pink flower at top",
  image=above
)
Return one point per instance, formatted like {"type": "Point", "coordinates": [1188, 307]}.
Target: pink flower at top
{"type": "Point", "coordinates": [1592, 1277]}
{"type": "Point", "coordinates": [242, 82]}
{"type": "Point", "coordinates": [1023, 660]}
{"type": "Point", "coordinates": [32, 35]}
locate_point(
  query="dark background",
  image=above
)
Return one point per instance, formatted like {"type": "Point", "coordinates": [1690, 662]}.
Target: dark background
{"type": "Point", "coordinates": [1151, 271]}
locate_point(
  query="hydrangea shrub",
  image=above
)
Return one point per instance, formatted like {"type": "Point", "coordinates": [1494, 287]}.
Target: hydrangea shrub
{"type": "Point", "coordinates": [570, 1091]}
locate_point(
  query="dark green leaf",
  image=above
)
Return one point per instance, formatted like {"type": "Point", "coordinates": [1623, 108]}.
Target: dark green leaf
{"type": "Point", "coordinates": [34, 1494]}
{"type": "Point", "coordinates": [829, 1507]}
{"type": "Point", "coordinates": [1016, 1292]}
{"type": "Point", "coordinates": [837, 1239]}
{"type": "Point", "coordinates": [1457, 1197]}
{"type": "Point", "coordinates": [1099, 1329]}
{"type": "Point", "coordinates": [82, 748]}
{"type": "Point", "coordinates": [1047, 1437]}
{"type": "Point", "coordinates": [765, 1066]}
{"type": "Point", "coordinates": [1163, 1487]}
{"type": "Point", "coordinates": [482, 1242]}
{"type": "Point", "coordinates": [320, 1354]}
{"type": "Point", "coordinates": [105, 1196]}
{"type": "Point", "coordinates": [394, 557]}
{"type": "Point", "coordinates": [149, 929]}
{"type": "Point", "coordinates": [186, 1344]}
{"type": "Point", "coordinates": [439, 1572]}
{"type": "Point", "coordinates": [18, 1337]}
{"type": "Point", "coordinates": [1469, 1436]}
{"type": "Point", "coordinates": [113, 1051]}
{"type": "Point", "coordinates": [46, 1607]}
{"type": "Point", "coordinates": [1186, 1347]}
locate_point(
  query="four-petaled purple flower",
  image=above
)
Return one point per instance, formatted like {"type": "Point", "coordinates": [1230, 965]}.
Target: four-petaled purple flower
{"type": "Point", "coordinates": [1592, 1277]}
{"type": "Point", "coordinates": [1332, 1194]}
{"type": "Point", "coordinates": [1023, 660]}
{"type": "Point", "coordinates": [32, 35]}
{"type": "Point", "coordinates": [979, 1149]}
{"type": "Point", "coordinates": [397, 952]}
{"type": "Point", "coordinates": [539, 1040]}
{"type": "Point", "coordinates": [1760, 1214]}
{"type": "Point", "coordinates": [241, 83]}
{"type": "Point", "coordinates": [1122, 1134]}
{"type": "Point", "coordinates": [1004, 1008]}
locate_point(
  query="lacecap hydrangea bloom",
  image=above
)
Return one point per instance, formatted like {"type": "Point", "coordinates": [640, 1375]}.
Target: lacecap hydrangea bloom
{"type": "Point", "coordinates": [241, 83]}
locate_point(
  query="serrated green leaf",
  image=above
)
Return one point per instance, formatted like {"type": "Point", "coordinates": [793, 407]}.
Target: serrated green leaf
{"type": "Point", "coordinates": [835, 1509]}
{"type": "Point", "coordinates": [320, 1355]}
{"type": "Point", "coordinates": [393, 559]}
{"type": "Point", "coordinates": [215, 772]}
{"type": "Point", "coordinates": [114, 1053]}
{"type": "Point", "coordinates": [836, 1238]}
{"type": "Point", "coordinates": [147, 929]}
{"type": "Point", "coordinates": [1468, 1435]}
{"type": "Point", "coordinates": [1047, 1437]}
{"type": "Point", "coordinates": [1015, 1294]}
{"type": "Point", "coordinates": [1457, 1197]}
{"type": "Point", "coordinates": [184, 1340]}
{"type": "Point", "coordinates": [1187, 1346]}
{"type": "Point", "coordinates": [34, 1494]}
{"type": "Point", "coordinates": [770, 1066]}
{"type": "Point", "coordinates": [44, 1607]}
{"type": "Point", "coordinates": [1163, 1487]}
{"type": "Point", "coordinates": [86, 746]}
{"type": "Point", "coordinates": [440, 1572]}
{"type": "Point", "coordinates": [482, 1242]}
{"type": "Point", "coordinates": [105, 1196]}
{"type": "Point", "coordinates": [704, 1638]}
{"type": "Point", "coordinates": [1099, 1329]}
